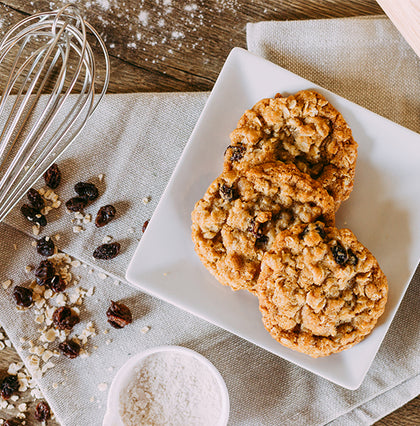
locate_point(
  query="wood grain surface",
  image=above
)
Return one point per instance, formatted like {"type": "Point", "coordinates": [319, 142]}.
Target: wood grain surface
{"type": "Point", "coordinates": [181, 45]}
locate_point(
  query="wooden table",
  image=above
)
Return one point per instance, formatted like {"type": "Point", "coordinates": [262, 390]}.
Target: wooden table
{"type": "Point", "coordinates": [180, 45]}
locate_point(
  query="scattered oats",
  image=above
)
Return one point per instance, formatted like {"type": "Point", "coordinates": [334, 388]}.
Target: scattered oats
{"type": "Point", "coordinates": [14, 367]}
{"type": "Point", "coordinates": [83, 353]}
{"type": "Point", "coordinates": [55, 385]}
{"type": "Point", "coordinates": [21, 416]}
{"type": "Point", "coordinates": [22, 340]}
{"type": "Point", "coordinates": [10, 407]}
{"type": "Point", "coordinates": [146, 200]}
{"type": "Point", "coordinates": [102, 387]}
{"type": "Point", "coordinates": [60, 299]}
{"type": "Point", "coordinates": [41, 191]}
{"type": "Point", "coordinates": [102, 276]}
{"type": "Point", "coordinates": [2, 345]}
{"type": "Point", "coordinates": [90, 291]}
{"type": "Point", "coordinates": [48, 293]}
{"type": "Point", "coordinates": [35, 229]}
{"type": "Point", "coordinates": [22, 407]}
{"type": "Point", "coordinates": [8, 343]}
{"type": "Point", "coordinates": [106, 239]}
{"type": "Point", "coordinates": [131, 230]}
{"type": "Point", "coordinates": [46, 210]}
{"type": "Point", "coordinates": [145, 329]}
{"type": "Point", "coordinates": [101, 177]}
{"type": "Point", "coordinates": [3, 404]}
{"type": "Point", "coordinates": [57, 237]}
{"type": "Point", "coordinates": [56, 204]}
{"type": "Point", "coordinates": [77, 229]}
{"type": "Point", "coordinates": [47, 355]}
{"type": "Point", "coordinates": [106, 331]}
{"type": "Point", "coordinates": [33, 361]}
{"type": "Point", "coordinates": [87, 218]}
{"type": "Point", "coordinates": [78, 215]}
{"type": "Point", "coordinates": [47, 366]}
{"type": "Point", "coordinates": [108, 341]}
{"type": "Point", "coordinates": [33, 243]}
{"type": "Point", "coordinates": [14, 398]}
{"type": "Point", "coordinates": [49, 336]}
{"type": "Point", "coordinates": [15, 246]}
{"type": "Point", "coordinates": [75, 263]}
{"type": "Point", "coordinates": [6, 284]}
{"type": "Point", "coordinates": [28, 269]}
{"type": "Point", "coordinates": [36, 393]}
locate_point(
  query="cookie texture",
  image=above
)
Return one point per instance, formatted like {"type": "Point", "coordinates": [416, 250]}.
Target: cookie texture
{"type": "Point", "coordinates": [241, 213]}
{"type": "Point", "coordinates": [320, 290]}
{"type": "Point", "coordinates": [303, 129]}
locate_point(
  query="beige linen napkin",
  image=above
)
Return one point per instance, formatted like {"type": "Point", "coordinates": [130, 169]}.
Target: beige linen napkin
{"type": "Point", "coordinates": [135, 140]}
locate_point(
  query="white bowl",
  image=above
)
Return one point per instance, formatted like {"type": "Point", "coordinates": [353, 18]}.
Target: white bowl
{"type": "Point", "coordinates": [125, 374]}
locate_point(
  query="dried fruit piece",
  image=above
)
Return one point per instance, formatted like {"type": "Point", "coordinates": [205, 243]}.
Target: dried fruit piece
{"type": "Point", "coordinates": [237, 152]}
{"type": "Point", "coordinates": [119, 315]}
{"type": "Point", "coordinates": [35, 199]}
{"type": "Point", "coordinates": [45, 246]}
{"type": "Point", "coordinates": [12, 422]}
{"type": "Point", "coordinates": [23, 296]}
{"type": "Point", "coordinates": [105, 215]}
{"type": "Point", "coordinates": [52, 176]}
{"type": "Point", "coordinates": [339, 254]}
{"type": "Point", "coordinates": [33, 215]}
{"type": "Point", "coordinates": [226, 192]}
{"type": "Point", "coordinates": [144, 227]}
{"type": "Point", "coordinates": [69, 348]}
{"type": "Point", "coordinates": [107, 251]}
{"type": "Point", "coordinates": [352, 258]}
{"type": "Point", "coordinates": [56, 284]}
{"type": "Point", "coordinates": [76, 204]}
{"type": "Point", "coordinates": [9, 386]}
{"type": "Point", "coordinates": [65, 318]}
{"type": "Point", "coordinates": [86, 190]}
{"type": "Point", "coordinates": [42, 411]}
{"type": "Point", "coordinates": [44, 272]}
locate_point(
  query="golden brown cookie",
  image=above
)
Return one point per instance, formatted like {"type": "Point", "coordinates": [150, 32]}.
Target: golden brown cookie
{"type": "Point", "coordinates": [242, 212]}
{"type": "Point", "coordinates": [303, 129]}
{"type": "Point", "coordinates": [320, 290]}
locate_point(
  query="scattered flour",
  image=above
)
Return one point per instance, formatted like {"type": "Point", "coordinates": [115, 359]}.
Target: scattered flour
{"type": "Point", "coordinates": [169, 388]}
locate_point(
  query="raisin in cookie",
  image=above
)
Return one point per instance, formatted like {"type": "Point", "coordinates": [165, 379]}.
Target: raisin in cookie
{"type": "Point", "coordinates": [239, 216]}
{"type": "Point", "coordinates": [303, 129]}
{"type": "Point", "coordinates": [320, 290]}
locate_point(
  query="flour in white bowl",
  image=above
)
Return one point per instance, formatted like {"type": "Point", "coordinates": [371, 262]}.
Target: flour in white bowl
{"type": "Point", "coordinates": [169, 388]}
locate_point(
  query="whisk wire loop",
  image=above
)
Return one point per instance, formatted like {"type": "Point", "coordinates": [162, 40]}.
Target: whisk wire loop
{"type": "Point", "coordinates": [44, 52]}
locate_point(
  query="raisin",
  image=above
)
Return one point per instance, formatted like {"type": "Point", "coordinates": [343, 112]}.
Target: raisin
{"type": "Point", "coordinates": [107, 251]}
{"type": "Point", "coordinates": [320, 229]}
{"type": "Point", "coordinates": [144, 227]}
{"type": "Point", "coordinates": [262, 239]}
{"type": "Point", "coordinates": [254, 228]}
{"type": "Point", "coordinates": [105, 215]}
{"type": "Point", "coordinates": [119, 315]}
{"type": "Point", "coordinates": [339, 254]}
{"type": "Point", "coordinates": [76, 204]}
{"type": "Point", "coordinates": [56, 284]}
{"type": "Point", "coordinates": [64, 318]}
{"type": "Point", "coordinates": [237, 152]}
{"type": "Point", "coordinates": [304, 232]}
{"type": "Point", "coordinates": [69, 348]}
{"type": "Point", "coordinates": [226, 192]}
{"type": "Point", "coordinates": [12, 422]}
{"type": "Point", "coordinates": [33, 215]}
{"type": "Point", "coordinates": [86, 190]}
{"type": "Point", "coordinates": [42, 411]}
{"type": "Point", "coordinates": [45, 246]}
{"type": "Point", "coordinates": [35, 199]}
{"type": "Point", "coordinates": [44, 272]}
{"type": "Point", "coordinates": [352, 260]}
{"type": "Point", "coordinates": [23, 296]}
{"type": "Point", "coordinates": [52, 176]}
{"type": "Point", "coordinates": [9, 386]}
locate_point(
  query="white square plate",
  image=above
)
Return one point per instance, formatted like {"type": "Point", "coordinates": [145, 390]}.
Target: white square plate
{"type": "Point", "coordinates": [383, 211]}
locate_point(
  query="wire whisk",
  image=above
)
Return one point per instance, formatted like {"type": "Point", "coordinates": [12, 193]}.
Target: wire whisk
{"type": "Point", "coordinates": [47, 93]}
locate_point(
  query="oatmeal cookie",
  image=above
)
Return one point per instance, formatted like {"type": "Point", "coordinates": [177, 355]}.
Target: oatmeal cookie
{"type": "Point", "coordinates": [320, 290]}
{"type": "Point", "coordinates": [239, 216]}
{"type": "Point", "coordinates": [303, 129]}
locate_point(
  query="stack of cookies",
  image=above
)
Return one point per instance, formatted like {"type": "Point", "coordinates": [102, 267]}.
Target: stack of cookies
{"type": "Point", "coordinates": [266, 225]}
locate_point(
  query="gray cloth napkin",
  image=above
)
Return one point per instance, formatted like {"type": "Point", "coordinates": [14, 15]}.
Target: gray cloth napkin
{"type": "Point", "coordinates": [135, 141]}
